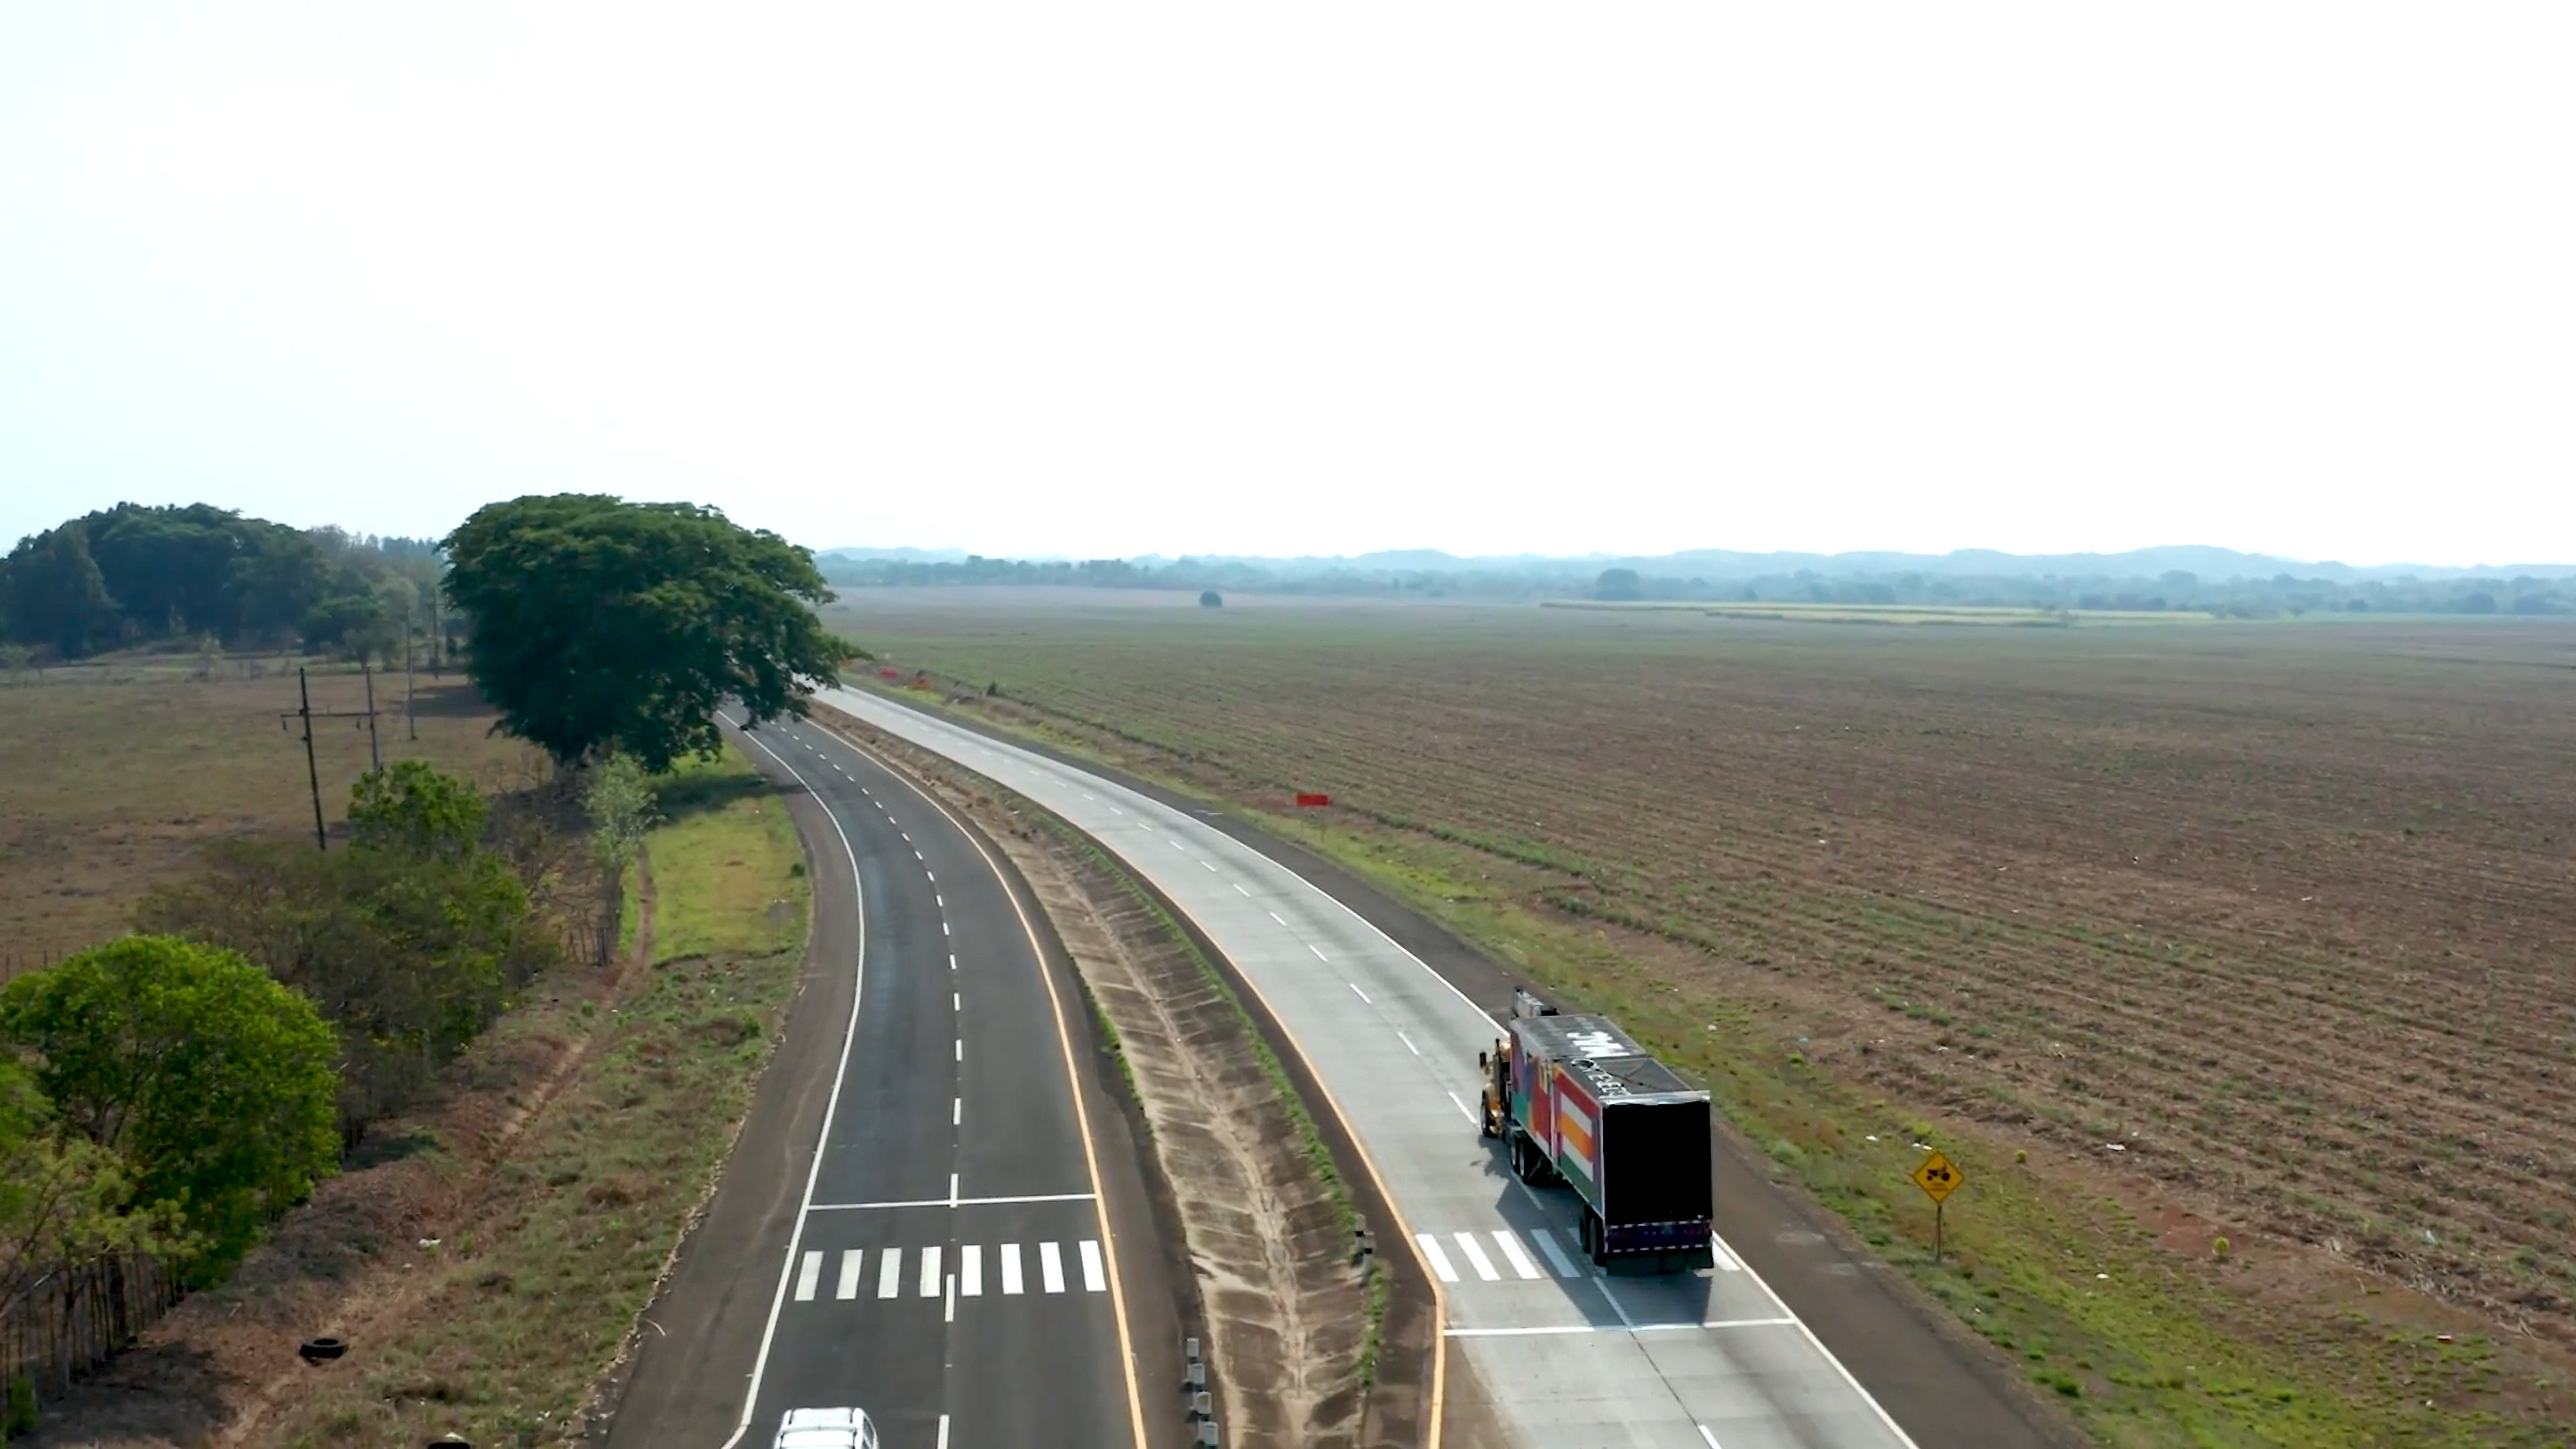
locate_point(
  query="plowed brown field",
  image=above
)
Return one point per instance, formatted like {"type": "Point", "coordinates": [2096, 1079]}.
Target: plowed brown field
{"type": "Point", "coordinates": [2285, 912]}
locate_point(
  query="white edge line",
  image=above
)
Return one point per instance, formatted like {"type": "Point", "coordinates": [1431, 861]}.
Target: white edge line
{"type": "Point", "coordinates": [831, 1104]}
{"type": "Point", "coordinates": [1568, 1328]}
{"type": "Point", "coordinates": [854, 1207]}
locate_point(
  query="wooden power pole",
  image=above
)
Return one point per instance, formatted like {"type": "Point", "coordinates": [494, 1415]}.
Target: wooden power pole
{"type": "Point", "coordinates": [312, 768]}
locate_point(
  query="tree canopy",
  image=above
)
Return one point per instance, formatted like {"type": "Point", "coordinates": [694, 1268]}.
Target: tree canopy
{"type": "Point", "coordinates": [136, 574]}
{"type": "Point", "coordinates": [62, 1197]}
{"type": "Point", "coordinates": [596, 625]}
{"type": "Point", "coordinates": [211, 1079]}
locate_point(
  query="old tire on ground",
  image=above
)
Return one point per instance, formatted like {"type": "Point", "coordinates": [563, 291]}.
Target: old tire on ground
{"type": "Point", "coordinates": [321, 1350]}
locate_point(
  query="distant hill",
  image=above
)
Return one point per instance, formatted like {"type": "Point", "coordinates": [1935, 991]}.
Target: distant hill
{"type": "Point", "coordinates": [2205, 562]}
{"type": "Point", "coordinates": [2193, 577]}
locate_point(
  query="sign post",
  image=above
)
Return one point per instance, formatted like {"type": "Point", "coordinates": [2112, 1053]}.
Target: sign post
{"type": "Point", "coordinates": [1938, 1179]}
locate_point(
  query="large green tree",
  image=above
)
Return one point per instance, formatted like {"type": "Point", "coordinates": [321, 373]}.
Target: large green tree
{"type": "Point", "coordinates": [189, 1062]}
{"type": "Point", "coordinates": [598, 625]}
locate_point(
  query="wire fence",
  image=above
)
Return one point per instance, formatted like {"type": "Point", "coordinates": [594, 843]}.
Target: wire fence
{"type": "Point", "coordinates": [76, 1317]}
{"type": "Point", "coordinates": [14, 964]}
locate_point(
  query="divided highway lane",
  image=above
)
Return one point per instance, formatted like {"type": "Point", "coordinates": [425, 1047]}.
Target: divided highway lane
{"type": "Point", "coordinates": [947, 1263]}
{"type": "Point", "coordinates": [1562, 1354]}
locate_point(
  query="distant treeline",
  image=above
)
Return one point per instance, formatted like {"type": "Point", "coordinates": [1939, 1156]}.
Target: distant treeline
{"type": "Point", "coordinates": [206, 577]}
{"type": "Point", "coordinates": [2282, 595]}
{"type": "Point", "coordinates": [2276, 596]}
{"type": "Point", "coordinates": [1194, 575]}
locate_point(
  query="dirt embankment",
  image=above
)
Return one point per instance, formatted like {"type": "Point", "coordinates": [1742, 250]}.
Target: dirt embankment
{"type": "Point", "coordinates": [1283, 1305]}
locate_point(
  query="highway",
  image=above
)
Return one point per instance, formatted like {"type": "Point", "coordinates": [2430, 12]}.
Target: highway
{"type": "Point", "coordinates": [949, 1260]}
{"type": "Point", "coordinates": [1559, 1354]}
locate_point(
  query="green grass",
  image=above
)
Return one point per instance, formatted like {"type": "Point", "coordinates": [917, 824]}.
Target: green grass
{"type": "Point", "coordinates": [730, 840]}
{"type": "Point", "coordinates": [524, 1311]}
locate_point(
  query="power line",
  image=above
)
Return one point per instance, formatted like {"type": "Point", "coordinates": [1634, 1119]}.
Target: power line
{"type": "Point", "coordinates": [313, 770]}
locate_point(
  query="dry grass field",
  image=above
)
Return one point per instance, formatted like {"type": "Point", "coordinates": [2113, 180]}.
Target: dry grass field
{"type": "Point", "coordinates": [111, 775]}
{"type": "Point", "coordinates": [2234, 958]}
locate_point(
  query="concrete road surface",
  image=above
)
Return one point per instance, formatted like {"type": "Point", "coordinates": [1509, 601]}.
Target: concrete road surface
{"type": "Point", "coordinates": [1557, 1353]}
{"type": "Point", "coordinates": [962, 1258]}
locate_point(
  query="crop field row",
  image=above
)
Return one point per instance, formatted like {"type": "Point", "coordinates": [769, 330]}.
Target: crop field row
{"type": "Point", "coordinates": [2280, 912]}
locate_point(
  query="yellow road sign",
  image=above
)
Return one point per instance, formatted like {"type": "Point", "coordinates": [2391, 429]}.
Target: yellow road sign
{"type": "Point", "coordinates": [1938, 1178]}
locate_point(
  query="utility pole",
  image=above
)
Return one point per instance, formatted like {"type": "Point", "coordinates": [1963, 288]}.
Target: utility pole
{"type": "Point", "coordinates": [375, 756]}
{"type": "Point", "coordinates": [411, 726]}
{"type": "Point", "coordinates": [313, 770]}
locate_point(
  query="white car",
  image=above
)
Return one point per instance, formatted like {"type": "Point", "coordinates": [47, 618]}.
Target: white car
{"type": "Point", "coordinates": [826, 1429]}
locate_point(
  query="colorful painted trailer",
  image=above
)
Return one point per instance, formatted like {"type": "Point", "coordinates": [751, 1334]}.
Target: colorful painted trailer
{"type": "Point", "coordinates": [1575, 1099]}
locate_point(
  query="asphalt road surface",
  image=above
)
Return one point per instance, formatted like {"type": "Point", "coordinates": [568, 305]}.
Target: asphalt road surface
{"type": "Point", "coordinates": [1548, 1348]}
{"type": "Point", "coordinates": [947, 1261]}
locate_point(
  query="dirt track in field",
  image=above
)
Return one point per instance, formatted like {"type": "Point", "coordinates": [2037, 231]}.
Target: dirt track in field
{"type": "Point", "coordinates": [2282, 912]}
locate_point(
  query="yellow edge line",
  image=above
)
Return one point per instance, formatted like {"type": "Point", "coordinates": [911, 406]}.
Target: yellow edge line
{"type": "Point", "coordinates": [1436, 1414]}
{"type": "Point", "coordinates": [1064, 1038]}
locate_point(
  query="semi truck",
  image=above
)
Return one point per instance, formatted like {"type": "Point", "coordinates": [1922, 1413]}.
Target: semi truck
{"type": "Point", "coordinates": [1575, 1100]}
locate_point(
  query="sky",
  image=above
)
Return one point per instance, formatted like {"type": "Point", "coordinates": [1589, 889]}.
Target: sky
{"type": "Point", "coordinates": [1109, 280]}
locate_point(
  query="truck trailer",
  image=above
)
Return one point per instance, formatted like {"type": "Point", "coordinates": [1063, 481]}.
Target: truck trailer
{"type": "Point", "coordinates": [1575, 1099]}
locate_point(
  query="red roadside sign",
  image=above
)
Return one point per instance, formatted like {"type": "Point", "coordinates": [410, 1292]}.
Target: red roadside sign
{"type": "Point", "coordinates": [1308, 800]}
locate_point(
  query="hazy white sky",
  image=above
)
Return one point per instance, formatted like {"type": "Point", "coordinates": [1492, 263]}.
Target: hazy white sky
{"type": "Point", "coordinates": [1103, 279]}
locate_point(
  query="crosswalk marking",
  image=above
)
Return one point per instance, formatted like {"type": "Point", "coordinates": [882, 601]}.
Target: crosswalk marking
{"type": "Point", "coordinates": [1557, 1262]}
{"type": "Point", "coordinates": [1439, 1259]}
{"type": "Point", "coordinates": [1555, 1246]}
{"type": "Point", "coordinates": [1476, 1258]}
{"type": "Point", "coordinates": [958, 1270]}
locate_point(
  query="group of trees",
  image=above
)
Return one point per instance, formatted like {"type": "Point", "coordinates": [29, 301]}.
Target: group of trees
{"type": "Point", "coordinates": [133, 575]}
{"type": "Point", "coordinates": [409, 940]}
{"type": "Point", "coordinates": [172, 1092]}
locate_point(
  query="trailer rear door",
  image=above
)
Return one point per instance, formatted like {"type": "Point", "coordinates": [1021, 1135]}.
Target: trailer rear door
{"type": "Point", "coordinates": [1654, 1161]}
